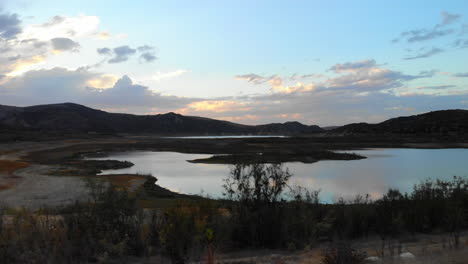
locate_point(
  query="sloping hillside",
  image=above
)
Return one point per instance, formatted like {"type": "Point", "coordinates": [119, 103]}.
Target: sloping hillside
{"type": "Point", "coordinates": [74, 118]}
{"type": "Point", "coordinates": [445, 122]}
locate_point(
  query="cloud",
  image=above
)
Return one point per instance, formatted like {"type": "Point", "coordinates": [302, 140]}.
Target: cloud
{"type": "Point", "coordinates": [461, 74]}
{"type": "Point", "coordinates": [426, 34]}
{"type": "Point", "coordinates": [426, 54]}
{"type": "Point", "coordinates": [145, 48]}
{"type": "Point", "coordinates": [461, 43]}
{"type": "Point", "coordinates": [360, 76]}
{"type": "Point", "coordinates": [104, 51]}
{"type": "Point", "coordinates": [323, 105]}
{"type": "Point", "coordinates": [367, 75]}
{"type": "Point", "coordinates": [75, 27]}
{"type": "Point", "coordinates": [437, 87]}
{"type": "Point", "coordinates": [254, 78]}
{"type": "Point", "coordinates": [64, 44]}
{"type": "Point", "coordinates": [448, 18]}
{"type": "Point", "coordinates": [85, 87]}
{"type": "Point", "coordinates": [14, 58]}
{"type": "Point", "coordinates": [122, 54]}
{"type": "Point", "coordinates": [159, 76]}
{"type": "Point", "coordinates": [353, 66]}
{"type": "Point", "coordinates": [148, 57]}
{"type": "Point", "coordinates": [102, 81]}
{"type": "Point", "coordinates": [56, 20]}
{"type": "Point", "coordinates": [10, 26]}
{"type": "Point", "coordinates": [57, 83]}
{"type": "Point", "coordinates": [217, 106]}
{"type": "Point", "coordinates": [148, 53]}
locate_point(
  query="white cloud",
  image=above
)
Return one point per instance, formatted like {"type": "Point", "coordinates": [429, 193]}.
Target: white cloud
{"type": "Point", "coordinates": [160, 76]}
{"type": "Point", "coordinates": [63, 27]}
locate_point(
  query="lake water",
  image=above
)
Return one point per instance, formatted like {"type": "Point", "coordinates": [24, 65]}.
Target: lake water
{"type": "Point", "coordinates": [383, 169]}
{"type": "Point", "coordinates": [214, 137]}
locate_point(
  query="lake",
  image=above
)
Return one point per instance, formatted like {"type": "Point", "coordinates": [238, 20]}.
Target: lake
{"type": "Point", "coordinates": [221, 137]}
{"type": "Point", "coordinates": [383, 169]}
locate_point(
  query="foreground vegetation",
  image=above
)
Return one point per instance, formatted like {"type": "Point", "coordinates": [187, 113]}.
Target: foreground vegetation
{"type": "Point", "coordinates": [259, 211]}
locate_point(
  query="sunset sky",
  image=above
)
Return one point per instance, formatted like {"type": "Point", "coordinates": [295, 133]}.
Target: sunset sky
{"type": "Point", "coordinates": [252, 62]}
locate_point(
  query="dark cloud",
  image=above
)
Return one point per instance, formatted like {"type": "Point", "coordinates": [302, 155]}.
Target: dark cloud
{"type": "Point", "coordinates": [437, 87]}
{"type": "Point", "coordinates": [104, 51]}
{"type": "Point", "coordinates": [429, 73]}
{"type": "Point", "coordinates": [461, 74]}
{"type": "Point", "coordinates": [35, 43]}
{"type": "Point", "coordinates": [426, 54]}
{"type": "Point", "coordinates": [57, 83]}
{"type": "Point", "coordinates": [424, 34]}
{"type": "Point", "coordinates": [63, 85]}
{"type": "Point", "coordinates": [148, 53]}
{"type": "Point", "coordinates": [14, 58]}
{"type": "Point", "coordinates": [461, 43]}
{"type": "Point", "coordinates": [324, 106]}
{"type": "Point", "coordinates": [64, 44]}
{"type": "Point", "coordinates": [10, 26]}
{"type": "Point", "coordinates": [254, 78]}
{"type": "Point", "coordinates": [448, 18]}
{"type": "Point", "coordinates": [122, 54]}
{"type": "Point", "coordinates": [148, 57]}
{"type": "Point", "coordinates": [54, 21]}
{"type": "Point", "coordinates": [145, 48]}
{"type": "Point", "coordinates": [437, 31]}
{"type": "Point", "coordinates": [351, 66]}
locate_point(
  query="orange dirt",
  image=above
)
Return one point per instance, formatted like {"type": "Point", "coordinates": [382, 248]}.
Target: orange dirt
{"type": "Point", "coordinates": [5, 186]}
{"type": "Point", "coordinates": [9, 166]}
{"type": "Point", "coordinates": [124, 180]}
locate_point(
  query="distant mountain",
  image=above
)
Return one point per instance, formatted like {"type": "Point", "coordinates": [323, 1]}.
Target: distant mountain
{"type": "Point", "coordinates": [330, 127]}
{"type": "Point", "coordinates": [445, 122]}
{"type": "Point", "coordinates": [69, 118]}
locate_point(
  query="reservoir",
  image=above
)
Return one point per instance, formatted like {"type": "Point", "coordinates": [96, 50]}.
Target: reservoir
{"type": "Point", "coordinates": [381, 170]}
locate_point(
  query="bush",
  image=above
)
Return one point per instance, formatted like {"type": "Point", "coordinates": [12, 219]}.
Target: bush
{"type": "Point", "coordinates": [342, 253]}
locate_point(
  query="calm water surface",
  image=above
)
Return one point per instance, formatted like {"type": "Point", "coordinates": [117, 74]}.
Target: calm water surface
{"type": "Point", "coordinates": [213, 137]}
{"type": "Point", "coordinates": [383, 169]}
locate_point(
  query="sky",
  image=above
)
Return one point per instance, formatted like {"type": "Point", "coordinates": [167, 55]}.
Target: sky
{"type": "Point", "coordinates": [252, 62]}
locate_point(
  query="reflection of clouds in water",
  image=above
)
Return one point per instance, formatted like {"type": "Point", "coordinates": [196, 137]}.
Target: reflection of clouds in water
{"type": "Point", "coordinates": [387, 168]}
{"type": "Point", "coordinates": [356, 181]}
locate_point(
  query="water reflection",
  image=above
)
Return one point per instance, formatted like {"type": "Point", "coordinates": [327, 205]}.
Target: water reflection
{"type": "Point", "coordinates": [383, 169]}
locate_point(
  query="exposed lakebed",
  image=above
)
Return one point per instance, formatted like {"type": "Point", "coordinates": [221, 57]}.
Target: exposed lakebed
{"type": "Point", "coordinates": [383, 169]}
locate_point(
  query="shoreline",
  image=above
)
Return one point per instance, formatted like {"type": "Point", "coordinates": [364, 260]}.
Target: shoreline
{"type": "Point", "coordinates": [35, 185]}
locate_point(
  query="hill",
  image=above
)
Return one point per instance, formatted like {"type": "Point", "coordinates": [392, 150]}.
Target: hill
{"type": "Point", "coordinates": [69, 118]}
{"type": "Point", "coordinates": [437, 123]}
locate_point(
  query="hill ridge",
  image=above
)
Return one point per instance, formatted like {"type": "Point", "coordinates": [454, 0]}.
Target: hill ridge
{"type": "Point", "coordinates": [75, 118]}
